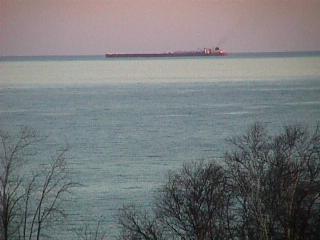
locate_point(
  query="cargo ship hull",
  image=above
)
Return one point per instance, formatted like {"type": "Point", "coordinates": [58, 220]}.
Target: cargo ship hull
{"type": "Point", "coordinates": [169, 54]}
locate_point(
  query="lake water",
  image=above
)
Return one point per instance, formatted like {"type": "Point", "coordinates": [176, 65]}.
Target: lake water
{"type": "Point", "coordinates": [130, 121]}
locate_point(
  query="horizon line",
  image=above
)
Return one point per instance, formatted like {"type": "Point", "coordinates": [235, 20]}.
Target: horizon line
{"type": "Point", "coordinates": [3, 57]}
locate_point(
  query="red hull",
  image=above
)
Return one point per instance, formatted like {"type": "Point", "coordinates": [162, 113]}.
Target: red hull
{"type": "Point", "coordinates": [170, 54]}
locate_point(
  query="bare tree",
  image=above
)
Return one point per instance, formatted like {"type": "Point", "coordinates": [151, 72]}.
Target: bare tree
{"type": "Point", "coordinates": [276, 182]}
{"type": "Point", "coordinates": [268, 188]}
{"type": "Point", "coordinates": [30, 202]}
{"type": "Point", "coordinates": [86, 232]}
{"type": "Point", "coordinates": [140, 225]}
{"type": "Point", "coordinates": [44, 197]}
{"type": "Point", "coordinates": [12, 155]}
{"type": "Point", "coordinates": [193, 204]}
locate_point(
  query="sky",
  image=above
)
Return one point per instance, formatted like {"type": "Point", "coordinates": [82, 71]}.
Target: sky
{"type": "Point", "coordinates": [89, 27]}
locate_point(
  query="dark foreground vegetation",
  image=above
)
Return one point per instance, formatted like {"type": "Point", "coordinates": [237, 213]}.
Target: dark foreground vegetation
{"type": "Point", "coordinates": [30, 201]}
{"type": "Point", "coordinates": [267, 187]}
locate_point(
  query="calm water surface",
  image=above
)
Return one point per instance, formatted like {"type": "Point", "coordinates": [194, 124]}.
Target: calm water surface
{"type": "Point", "coordinates": [130, 121]}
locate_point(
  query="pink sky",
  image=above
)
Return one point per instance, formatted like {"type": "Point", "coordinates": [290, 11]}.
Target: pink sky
{"type": "Point", "coordinates": [62, 27]}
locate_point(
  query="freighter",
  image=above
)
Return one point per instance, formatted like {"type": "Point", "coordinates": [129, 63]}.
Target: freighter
{"type": "Point", "coordinates": [206, 52]}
